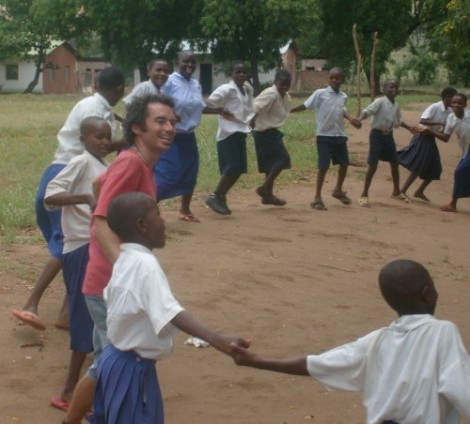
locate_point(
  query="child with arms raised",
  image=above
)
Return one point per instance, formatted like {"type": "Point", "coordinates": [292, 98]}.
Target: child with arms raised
{"type": "Point", "coordinates": [415, 371]}
{"type": "Point", "coordinates": [143, 317]}
{"type": "Point", "coordinates": [72, 191]}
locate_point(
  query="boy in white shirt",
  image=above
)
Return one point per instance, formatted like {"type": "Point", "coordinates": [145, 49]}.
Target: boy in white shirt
{"type": "Point", "coordinates": [143, 318]}
{"type": "Point", "coordinates": [415, 371]}
{"type": "Point", "coordinates": [72, 190]}
{"type": "Point", "coordinates": [236, 99]}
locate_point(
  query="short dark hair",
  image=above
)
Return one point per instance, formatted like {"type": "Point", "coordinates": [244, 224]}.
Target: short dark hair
{"type": "Point", "coordinates": [110, 77]}
{"type": "Point", "coordinates": [152, 63]}
{"type": "Point", "coordinates": [282, 74]}
{"type": "Point", "coordinates": [89, 121]}
{"type": "Point", "coordinates": [448, 92]}
{"type": "Point", "coordinates": [125, 210]}
{"type": "Point", "coordinates": [137, 112]}
{"type": "Point", "coordinates": [388, 82]}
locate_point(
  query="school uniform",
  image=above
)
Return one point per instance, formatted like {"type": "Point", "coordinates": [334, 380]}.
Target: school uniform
{"type": "Point", "coordinates": [416, 370]}
{"type": "Point", "coordinates": [69, 147]}
{"type": "Point", "coordinates": [461, 127]}
{"type": "Point", "coordinates": [231, 133]}
{"type": "Point", "coordinates": [140, 309]}
{"type": "Point", "coordinates": [127, 173]}
{"type": "Point", "coordinates": [271, 111]}
{"type": "Point", "coordinates": [421, 157]}
{"type": "Point", "coordinates": [330, 107]}
{"type": "Point", "coordinates": [77, 178]}
{"type": "Point", "coordinates": [177, 169]}
{"type": "Point", "coordinates": [143, 89]}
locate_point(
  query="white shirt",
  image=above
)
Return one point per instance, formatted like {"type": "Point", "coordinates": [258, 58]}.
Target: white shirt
{"type": "Point", "coordinates": [330, 107]}
{"type": "Point", "coordinates": [76, 178]}
{"type": "Point", "coordinates": [415, 371]}
{"type": "Point", "coordinates": [385, 114]}
{"type": "Point", "coordinates": [437, 112]}
{"type": "Point", "coordinates": [230, 97]}
{"type": "Point", "coordinates": [69, 134]}
{"type": "Point", "coordinates": [141, 90]}
{"type": "Point", "coordinates": [461, 127]}
{"type": "Point", "coordinates": [140, 304]}
{"type": "Point", "coordinates": [271, 109]}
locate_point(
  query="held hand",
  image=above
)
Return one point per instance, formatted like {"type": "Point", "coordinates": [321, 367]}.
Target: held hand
{"type": "Point", "coordinates": [356, 123]}
{"type": "Point", "coordinates": [227, 343]}
{"type": "Point", "coordinates": [225, 113]}
{"type": "Point", "coordinates": [416, 130]}
{"type": "Point", "coordinates": [242, 356]}
{"type": "Point", "coordinates": [92, 202]}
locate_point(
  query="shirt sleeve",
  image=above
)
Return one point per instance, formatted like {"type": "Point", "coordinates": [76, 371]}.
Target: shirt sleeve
{"type": "Point", "coordinates": [312, 101]}
{"type": "Point", "coordinates": [373, 108]}
{"type": "Point", "coordinates": [264, 100]}
{"type": "Point", "coordinates": [217, 98]}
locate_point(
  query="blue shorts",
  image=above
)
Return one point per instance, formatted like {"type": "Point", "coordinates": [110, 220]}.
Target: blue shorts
{"type": "Point", "coordinates": [271, 153]}
{"type": "Point", "coordinates": [381, 147]}
{"type": "Point", "coordinates": [97, 309]}
{"type": "Point", "coordinates": [332, 150]}
{"type": "Point", "coordinates": [127, 390]}
{"type": "Point", "coordinates": [231, 152]}
{"type": "Point", "coordinates": [81, 325]}
{"type": "Point", "coordinates": [49, 221]}
{"type": "Point", "coordinates": [176, 170]}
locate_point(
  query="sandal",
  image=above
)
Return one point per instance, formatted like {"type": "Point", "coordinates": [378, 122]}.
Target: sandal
{"type": "Point", "coordinates": [345, 200]}
{"type": "Point", "coordinates": [401, 196]}
{"type": "Point", "coordinates": [448, 208]}
{"type": "Point", "coordinates": [318, 205]}
{"type": "Point", "coordinates": [364, 201]}
{"type": "Point", "coordinates": [273, 200]}
{"type": "Point", "coordinates": [188, 218]}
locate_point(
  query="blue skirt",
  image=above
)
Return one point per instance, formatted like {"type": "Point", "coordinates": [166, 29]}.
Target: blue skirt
{"type": "Point", "coordinates": [176, 171]}
{"type": "Point", "coordinates": [127, 390]}
{"type": "Point", "coordinates": [462, 178]}
{"type": "Point", "coordinates": [421, 157]}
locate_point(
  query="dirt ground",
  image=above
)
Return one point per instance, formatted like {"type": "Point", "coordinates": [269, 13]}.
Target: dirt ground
{"type": "Point", "coordinates": [291, 279]}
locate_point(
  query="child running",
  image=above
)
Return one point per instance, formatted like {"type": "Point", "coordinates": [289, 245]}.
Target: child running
{"type": "Point", "coordinates": [236, 98]}
{"type": "Point", "coordinates": [458, 122]}
{"type": "Point", "coordinates": [385, 117]}
{"type": "Point", "coordinates": [421, 157]}
{"type": "Point", "coordinates": [143, 317]}
{"type": "Point", "coordinates": [330, 106]}
{"type": "Point", "coordinates": [72, 191]}
{"type": "Point", "coordinates": [271, 108]}
{"type": "Point", "coordinates": [416, 370]}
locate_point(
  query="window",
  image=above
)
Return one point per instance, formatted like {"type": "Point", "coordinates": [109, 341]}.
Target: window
{"type": "Point", "coordinates": [50, 73]}
{"type": "Point", "coordinates": [11, 72]}
{"type": "Point", "coordinates": [67, 73]}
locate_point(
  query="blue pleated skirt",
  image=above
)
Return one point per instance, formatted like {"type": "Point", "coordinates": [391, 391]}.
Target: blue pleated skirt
{"type": "Point", "coordinates": [462, 178]}
{"type": "Point", "coordinates": [127, 390]}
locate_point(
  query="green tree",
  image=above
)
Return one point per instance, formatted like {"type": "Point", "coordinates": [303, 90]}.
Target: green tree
{"type": "Point", "coordinates": [254, 30]}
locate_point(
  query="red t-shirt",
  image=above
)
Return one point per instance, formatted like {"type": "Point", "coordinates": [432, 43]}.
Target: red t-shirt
{"type": "Point", "coordinates": [127, 173]}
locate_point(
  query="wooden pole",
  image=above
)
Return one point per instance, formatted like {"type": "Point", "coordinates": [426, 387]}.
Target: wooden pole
{"type": "Point", "coordinates": [358, 69]}
{"type": "Point", "coordinates": [372, 66]}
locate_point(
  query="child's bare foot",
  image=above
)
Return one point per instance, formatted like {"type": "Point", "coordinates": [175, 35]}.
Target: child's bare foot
{"type": "Point", "coordinates": [401, 196]}
{"type": "Point", "coordinates": [420, 195]}
{"type": "Point", "coordinates": [448, 208]}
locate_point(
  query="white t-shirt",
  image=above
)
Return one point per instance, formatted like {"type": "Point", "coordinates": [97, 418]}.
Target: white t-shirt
{"type": "Point", "coordinates": [461, 127]}
{"type": "Point", "coordinates": [385, 114]}
{"type": "Point", "coordinates": [141, 90]}
{"type": "Point", "coordinates": [415, 371]}
{"type": "Point", "coordinates": [140, 304]}
{"type": "Point", "coordinates": [330, 107]}
{"type": "Point", "coordinates": [437, 112]}
{"type": "Point", "coordinates": [69, 134]}
{"type": "Point", "coordinates": [76, 178]}
{"type": "Point", "coordinates": [230, 97]}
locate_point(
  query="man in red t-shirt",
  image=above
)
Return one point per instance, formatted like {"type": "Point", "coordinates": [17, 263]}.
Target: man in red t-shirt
{"type": "Point", "coordinates": [149, 128]}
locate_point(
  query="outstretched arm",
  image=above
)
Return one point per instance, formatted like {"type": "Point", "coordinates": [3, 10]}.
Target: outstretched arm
{"type": "Point", "coordinates": [296, 365]}
{"type": "Point", "coordinates": [222, 342]}
{"type": "Point", "coordinates": [356, 122]}
{"type": "Point", "coordinates": [65, 199]}
{"type": "Point", "coordinates": [298, 108]}
{"type": "Point", "coordinates": [412, 129]}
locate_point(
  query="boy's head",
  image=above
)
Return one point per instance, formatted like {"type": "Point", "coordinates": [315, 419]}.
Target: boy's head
{"type": "Point", "coordinates": [152, 117]}
{"type": "Point", "coordinates": [391, 88]}
{"type": "Point", "coordinates": [186, 61]}
{"type": "Point", "coordinates": [95, 134]}
{"type": "Point", "coordinates": [408, 288]}
{"type": "Point", "coordinates": [239, 73]}
{"type": "Point", "coordinates": [282, 81]}
{"type": "Point", "coordinates": [459, 103]}
{"type": "Point", "coordinates": [335, 78]}
{"type": "Point", "coordinates": [111, 84]}
{"type": "Point", "coordinates": [447, 94]}
{"type": "Point", "coordinates": [135, 218]}
{"type": "Point", "coordinates": [157, 71]}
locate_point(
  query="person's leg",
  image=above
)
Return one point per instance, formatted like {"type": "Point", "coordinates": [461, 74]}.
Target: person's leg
{"type": "Point", "coordinates": [395, 178]}
{"type": "Point", "coordinates": [371, 169]}
{"type": "Point", "coordinates": [82, 400]}
{"type": "Point", "coordinates": [265, 191]}
{"type": "Point", "coordinates": [317, 200]}
{"type": "Point", "coordinates": [217, 200]}
{"type": "Point", "coordinates": [63, 319]}
{"type": "Point", "coordinates": [77, 360]}
{"type": "Point", "coordinates": [419, 193]}
{"type": "Point", "coordinates": [410, 180]}
{"type": "Point", "coordinates": [338, 192]}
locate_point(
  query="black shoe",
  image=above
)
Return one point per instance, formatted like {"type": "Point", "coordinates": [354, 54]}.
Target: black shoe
{"type": "Point", "coordinates": [218, 204]}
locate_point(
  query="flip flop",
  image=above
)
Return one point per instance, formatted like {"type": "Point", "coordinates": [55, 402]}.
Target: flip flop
{"type": "Point", "coordinates": [59, 403]}
{"type": "Point", "coordinates": [447, 208]}
{"type": "Point", "coordinates": [345, 200]}
{"type": "Point", "coordinates": [62, 325]}
{"type": "Point", "coordinates": [318, 205]}
{"type": "Point", "coordinates": [422, 197]}
{"type": "Point", "coordinates": [29, 318]}
{"type": "Point", "coordinates": [401, 196]}
{"type": "Point", "coordinates": [364, 201]}
{"type": "Point", "coordinates": [188, 218]}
